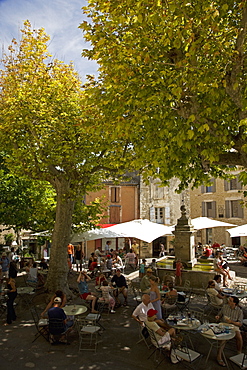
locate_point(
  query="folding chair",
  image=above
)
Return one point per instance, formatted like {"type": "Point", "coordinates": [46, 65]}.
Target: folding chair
{"type": "Point", "coordinates": [94, 318]}
{"type": "Point", "coordinates": [137, 295]}
{"type": "Point", "coordinates": [240, 360]}
{"type": "Point", "coordinates": [143, 335]}
{"type": "Point", "coordinates": [57, 330]}
{"type": "Point", "coordinates": [40, 324]}
{"type": "Point", "coordinates": [189, 356]}
{"type": "Point", "coordinates": [88, 335]}
{"type": "Point", "coordinates": [164, 349]}
{"type": "Point", "coordinates": [182, 305]}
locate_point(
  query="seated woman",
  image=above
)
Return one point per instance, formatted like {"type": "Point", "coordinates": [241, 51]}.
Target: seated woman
{"type": "Point", "coordinates": [60, 294]}
{"type": "Point", "coordinates": [33, 275]}
{"type": "Point", "coordinates": [215, 297]}
{"type": "Point", "coordinates": [82, 280]}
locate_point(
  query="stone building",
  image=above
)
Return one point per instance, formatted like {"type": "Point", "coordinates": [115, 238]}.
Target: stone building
{"type": "Point", "coordinates": [221, 200]}
{"type": "Point", "coordinates": [161, 204]}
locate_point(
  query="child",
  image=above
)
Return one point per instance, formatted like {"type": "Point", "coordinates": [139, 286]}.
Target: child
{"type": "Point", "coordinates": [142, 268]}
{"type": "Point", "coordinates": [105, 288]}
{"type": "Point", "coordinates": [179, 267]}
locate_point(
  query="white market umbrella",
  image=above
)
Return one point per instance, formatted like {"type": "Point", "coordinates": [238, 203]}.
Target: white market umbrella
{"type": "Point", "coordinates": [141, 229]}
{"type": "Point", "coordinates": [96, 234]}
{"type": "Point", "coordinates": [238, 231]}
{"type": "Point", "coordinates": [208, 223]}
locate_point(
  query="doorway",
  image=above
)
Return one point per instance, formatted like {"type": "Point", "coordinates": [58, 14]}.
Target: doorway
{"type": "Point", "coordinates": [156, 245]}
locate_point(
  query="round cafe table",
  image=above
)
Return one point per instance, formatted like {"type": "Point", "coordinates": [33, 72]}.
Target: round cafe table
{"type": "Point", "coordinates": [74, 309]}
{"type": "Point", "coordinates": [188, 326]}
{"type": "Point", "coordinates": [215, 334]}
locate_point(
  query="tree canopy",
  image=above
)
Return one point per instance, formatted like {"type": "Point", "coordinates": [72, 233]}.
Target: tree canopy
{"type": "Point", "coordinates": [175, 72]}
{"type": "Point", "coordinates": [54, 132]}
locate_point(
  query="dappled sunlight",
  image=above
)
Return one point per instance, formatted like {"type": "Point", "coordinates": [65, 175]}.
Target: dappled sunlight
{"type": "Point", "coordinates": [125, 349]}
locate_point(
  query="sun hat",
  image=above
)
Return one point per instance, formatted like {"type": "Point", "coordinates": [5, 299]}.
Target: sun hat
{"type": "Point", "coordinates": [149, 270]}
{"type": "Point", "coordinates": [151, 312]}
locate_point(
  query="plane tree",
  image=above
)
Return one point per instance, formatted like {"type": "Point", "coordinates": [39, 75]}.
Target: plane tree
{"type": "Point", "coordinates": [175, 72]}
{"type": "Point", "coordinates": [54, 132]}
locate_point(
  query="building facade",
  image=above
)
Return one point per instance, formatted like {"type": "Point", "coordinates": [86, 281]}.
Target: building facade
{"type": "Point", "coordinates": [221, 200]}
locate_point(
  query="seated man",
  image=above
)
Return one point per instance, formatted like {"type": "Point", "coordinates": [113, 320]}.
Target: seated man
{"type": "Point", "coordinates": [217, 280]}
{"type": "Point", "coordinates": [140, 312]}
{"type": "Point", "coordinates": [231, 313]}
{"type": "Point", "coordinates": [163, 337]}
{"type": "Point", "coordinates": [57, 332]}
{"type": "Point", "coordinates": [121, 287]}
{"type": "Point", "coordinates": [145, 282]}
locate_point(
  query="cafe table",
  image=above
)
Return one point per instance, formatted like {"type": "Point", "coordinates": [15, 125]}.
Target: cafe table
{"type": "Point", "coordinates": [185, 324]}
{"type": "Point", "coordinates": [74, 309]}
{"type": "Point", "coordinates": [241, 294]}
{"type": "Point", "coordinates": [215, 334]}
{"type": "Point", "coordinates": [26, 294]}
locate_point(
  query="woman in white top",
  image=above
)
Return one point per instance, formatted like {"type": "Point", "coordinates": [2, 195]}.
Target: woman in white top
{"type": "Point", "coordinates": [215, 297]}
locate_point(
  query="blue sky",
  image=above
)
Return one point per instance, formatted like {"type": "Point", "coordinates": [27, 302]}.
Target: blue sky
{"type": "Point", "coordinates": [59, 18]}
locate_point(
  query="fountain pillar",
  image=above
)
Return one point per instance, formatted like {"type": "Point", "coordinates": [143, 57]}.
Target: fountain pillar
{"type": "Point", "coordinates": [184, 243]}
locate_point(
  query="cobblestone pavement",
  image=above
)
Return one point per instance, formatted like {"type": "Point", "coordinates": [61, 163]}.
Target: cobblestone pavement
{"type": "Point", "coordinates": [118, 347]}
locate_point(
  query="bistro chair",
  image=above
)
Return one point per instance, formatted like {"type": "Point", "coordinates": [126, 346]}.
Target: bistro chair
{"type": "Point", "coordinates": [94, 318]}
{"type": "Point", "coordinates": [240, 360]}
{"type": "Point", "coordinates": [161, 351]}
{"type": "Point", "coordinates": [57, 330]}
{"type": "Point", "coordinates": [188, 356]}
{"type": "Point", "coordinates": [40, 324]}
{"type": "Point", "coordinates": [184, 303]}
{"type": "Point", "coordinates": [88, 335]}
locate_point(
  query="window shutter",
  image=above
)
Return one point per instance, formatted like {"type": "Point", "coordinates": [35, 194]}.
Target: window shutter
{"type": "Point", "coordinates": [203, 209]}
{"type": "Point", "coordinates": [203, 190]}
{"type": "Point", "coordinates": [240, 210]}
{"type": "Point", "coordinates": [227, 207]}
{"type": "Point", "coordinates": [214, 209]}
{"type": "Point", "coordinates": [226, 185]}
{"type": "Point", "coordinates": [239, 184]}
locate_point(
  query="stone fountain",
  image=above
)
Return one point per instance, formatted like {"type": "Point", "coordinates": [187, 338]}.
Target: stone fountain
{"type": "Point", "coordinates": [184, 243]}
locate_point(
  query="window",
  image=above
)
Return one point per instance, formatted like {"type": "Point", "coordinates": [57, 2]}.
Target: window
{"type": "Point", "coordinates": [115, 194]}
{"type": "Point", "coordinates": [211, 188]}
{"type": "Point", "coordinates": [209, 209]}
{"type": "Point", "coordinates": [158, 192]}
{"type": "Point", "coordinates": [232, 184]}
{"type": "Point", "coordinates": [234, 209]}
{"type": "Point", "coordinates": [159, 215]}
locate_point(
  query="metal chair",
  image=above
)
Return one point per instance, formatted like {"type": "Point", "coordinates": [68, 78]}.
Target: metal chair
{"type": "Point", "coordinates": [188, 355]}
{"type": "Point", "coordinates": [240, 360]}
{"type": "Point", "coordinates": [40, 324]}
{"type": "Point", "coordinates": [163, 350]}
{"type": "Point", "coordinates": [88, 335]}
{"type": "Point", "coordinates": [57, 330]}
{"type": "Point", "coordinates": [94, 318]}
{"type": "Point", "coordinates": [137, 295]}
{"type": "Point", "coordinates": [184, 304]}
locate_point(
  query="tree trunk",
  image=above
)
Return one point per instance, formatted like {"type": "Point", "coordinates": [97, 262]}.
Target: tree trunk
{"type": "Point", "coordinates": [58, 264]}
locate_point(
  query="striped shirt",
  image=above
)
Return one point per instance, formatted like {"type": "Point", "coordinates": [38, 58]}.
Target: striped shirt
{"type": "Point", "coordinates": [235, 314]}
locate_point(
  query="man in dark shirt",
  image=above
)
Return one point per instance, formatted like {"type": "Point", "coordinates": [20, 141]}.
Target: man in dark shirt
{"type": "Point", "coordinates": [121, 287]}
{"type": "Point", "coordinates": [57, 314]}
